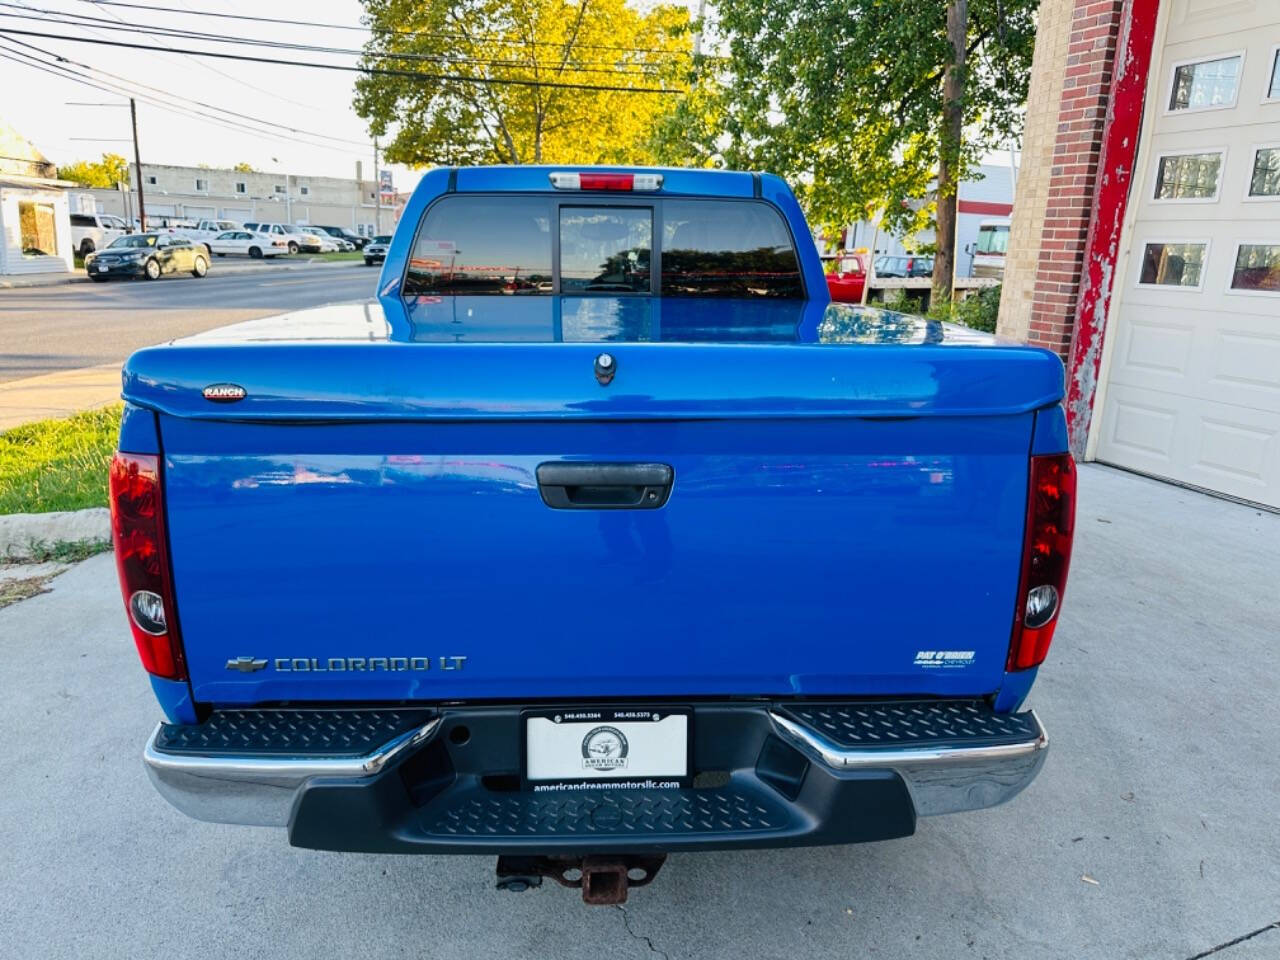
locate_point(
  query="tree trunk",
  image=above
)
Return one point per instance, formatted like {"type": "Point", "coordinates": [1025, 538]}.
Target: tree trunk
{"type": "Point", "coordinates": [949, 155]}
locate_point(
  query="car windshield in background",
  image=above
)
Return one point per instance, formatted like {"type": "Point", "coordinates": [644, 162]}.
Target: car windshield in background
{"type": "Point", "coordinates": [385, 238]}
{"type": "Point", "coordinates": [993, 239]}
{"type": "Point", "coordinates": [137, 241]}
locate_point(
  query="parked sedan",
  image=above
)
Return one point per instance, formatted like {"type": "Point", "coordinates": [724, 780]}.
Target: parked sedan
{"type": "Point", "coordinates": [341, 234]}
{"type": "Point", "coordinates": [246, 244]}
{"type": "Point", "coordinates": [147, 255]}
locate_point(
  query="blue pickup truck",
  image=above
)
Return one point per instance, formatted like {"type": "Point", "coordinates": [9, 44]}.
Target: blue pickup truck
{"type": "Point", "coordinates": [602, 535]}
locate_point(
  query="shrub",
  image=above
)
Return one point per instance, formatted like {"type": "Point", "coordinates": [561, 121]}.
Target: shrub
{"type": "Point", "coordinates": [977, 311]}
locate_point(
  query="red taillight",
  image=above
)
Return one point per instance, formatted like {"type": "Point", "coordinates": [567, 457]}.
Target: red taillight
{"type": "Point", "coordinates": [606, 181]}
{"type": "Point", "coordinates": [137, 529]}
{"type": "Point", "coordinates": [1046, 554]}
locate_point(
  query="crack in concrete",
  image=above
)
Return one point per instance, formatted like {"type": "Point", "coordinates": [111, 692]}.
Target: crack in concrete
{"type": "Point", "coordinates": [626, 922]}
{"type": "Point", "coordinates": [1237, 940]}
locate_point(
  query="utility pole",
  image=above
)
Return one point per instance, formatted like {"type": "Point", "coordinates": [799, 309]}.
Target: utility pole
{"type": "Point", "coordinates": [137, 158]}
{"type": "Point", "coordinates": [953, 82]}
{"type": "Point", "coordinates": [377, 192]}
{"type": "Point", "coordinates": [137, 161]}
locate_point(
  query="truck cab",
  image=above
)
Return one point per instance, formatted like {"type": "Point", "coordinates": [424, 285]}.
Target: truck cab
{"type": "Point", "coordinates": [847, 276]}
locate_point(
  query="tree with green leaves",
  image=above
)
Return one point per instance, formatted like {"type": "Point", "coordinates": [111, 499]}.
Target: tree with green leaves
{"type": "Point", "coordinates": [107, 172]}
{"type": "Point", "coordinates": [869, 107]}
{"type": "Point", "coordinates": [519, 81]}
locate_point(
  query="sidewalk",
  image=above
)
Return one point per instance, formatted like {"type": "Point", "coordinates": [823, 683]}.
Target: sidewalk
{"type": "Point", "coordinates": [217, 269]}
{"type": "Point", "coordinates": [58, 394]}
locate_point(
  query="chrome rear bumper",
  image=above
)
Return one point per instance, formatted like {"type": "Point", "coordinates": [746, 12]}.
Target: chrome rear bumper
{"type": "Point", "coordinates": [258, 791]}
{"type": "Point", "coordinates": [941, 779]}
{"type": "Point", "coordinates": [800, 773]}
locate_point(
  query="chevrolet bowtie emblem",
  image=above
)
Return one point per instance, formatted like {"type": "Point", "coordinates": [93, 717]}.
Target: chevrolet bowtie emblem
{"type": "Point", "coordinates": [245, 664]}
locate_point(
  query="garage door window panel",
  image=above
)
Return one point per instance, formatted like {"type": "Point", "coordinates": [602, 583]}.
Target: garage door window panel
{"type": "Point", "coordinates": [1264, 178]}
{"type": "Point", "coordinates": [1257, 269]}
{"type": "Point", "coordinates": [1189, 177]}
{"type": "Point", "coordinates": [1208, 84]}
{"type": "Point", "coordinates": [1175, 264]}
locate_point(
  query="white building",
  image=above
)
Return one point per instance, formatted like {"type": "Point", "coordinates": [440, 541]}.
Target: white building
{"type": "Point", "coordinates": [200, 193]}
{"type": "Point", "coordinates": [35, 224]}
{"type": "Point", "coordinates": [986, 196]}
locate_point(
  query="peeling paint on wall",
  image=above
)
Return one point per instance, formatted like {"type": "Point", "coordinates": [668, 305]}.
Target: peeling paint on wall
{"type": "Point", "coordinates": [1119, 144]}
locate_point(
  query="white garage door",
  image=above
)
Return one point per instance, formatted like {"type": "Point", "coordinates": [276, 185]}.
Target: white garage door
{"type": "Point", "coordinates": [199, 213]}
{"type": "Point", "coordinates": [1193, 385]}
{"type": "Point", "coordinates": [240, 214]}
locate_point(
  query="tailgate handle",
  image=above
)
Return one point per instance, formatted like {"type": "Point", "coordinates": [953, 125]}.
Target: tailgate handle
{"type": "Point", "coordinates": [604, 486]}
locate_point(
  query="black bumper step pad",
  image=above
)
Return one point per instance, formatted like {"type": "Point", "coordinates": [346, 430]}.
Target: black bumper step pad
{"type": "Point", "coordinates": [912, 723]}
{"type": "Point", "coordinates": [337, 734]}
{"type": "Point", "coordinates": [606, 813]}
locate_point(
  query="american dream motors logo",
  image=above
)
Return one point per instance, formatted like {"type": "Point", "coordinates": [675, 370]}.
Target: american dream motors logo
{"type": "Point", "coordinates": [604, 748]}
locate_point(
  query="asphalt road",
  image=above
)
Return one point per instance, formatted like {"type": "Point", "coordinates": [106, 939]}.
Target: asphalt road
{"type": "Point", "coordinates": [45, 329]}
{"type": "Point", "coordinates": [1151, 832]}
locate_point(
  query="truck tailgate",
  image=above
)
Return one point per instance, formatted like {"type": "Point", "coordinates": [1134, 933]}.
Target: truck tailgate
{"type": "Point", "coordinates": [808, 546]}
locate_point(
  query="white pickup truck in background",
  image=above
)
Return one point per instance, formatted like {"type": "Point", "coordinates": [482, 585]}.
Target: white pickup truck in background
{"type": "Point", "coordinates": [93, 231]}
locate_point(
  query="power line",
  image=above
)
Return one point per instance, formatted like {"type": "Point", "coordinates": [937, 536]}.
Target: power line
{"type": "Point", "coordinates": [221, 73]}
{"type": "Point", "coordinates": [381, 30]}
{"type": "Point", "coordinates": [181, 33]}
{"type": "Point", "coordinates": [65, 73]}
{"type": "Point", "coordinates": [130, 85]}
{"type": "Point", "coordinates": [346, 68]}
{"type": "Point", "coordinates": [199, 103]}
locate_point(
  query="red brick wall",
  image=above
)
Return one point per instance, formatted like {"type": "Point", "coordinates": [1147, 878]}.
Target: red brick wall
{"type": "Point", "coordinates": [1095, 26]}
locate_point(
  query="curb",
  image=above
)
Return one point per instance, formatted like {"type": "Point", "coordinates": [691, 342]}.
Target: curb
{"type": "Point", "coordinates": [18, 531]}
{"type": "Point", "coordinates": [78, 277]}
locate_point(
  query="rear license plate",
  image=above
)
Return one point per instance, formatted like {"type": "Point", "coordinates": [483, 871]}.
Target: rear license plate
{"type": "Point", "coordinates": [622, 747]}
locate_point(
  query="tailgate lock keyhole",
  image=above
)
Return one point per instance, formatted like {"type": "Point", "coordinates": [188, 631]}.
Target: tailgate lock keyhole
{"type": "Point", "coordinates": [606, 367]}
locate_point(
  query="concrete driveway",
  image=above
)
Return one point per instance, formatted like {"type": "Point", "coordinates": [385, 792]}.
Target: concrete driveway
{"type": "Point", "coordinates": [1160, 697]}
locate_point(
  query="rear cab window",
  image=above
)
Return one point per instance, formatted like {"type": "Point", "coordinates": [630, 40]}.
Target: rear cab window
{"type": "Point", "coordinates": [729, 249]}
{"type": "Point", "coordinates": [586, 245]}
{"type": "Point", "coordinates": [482, 245]}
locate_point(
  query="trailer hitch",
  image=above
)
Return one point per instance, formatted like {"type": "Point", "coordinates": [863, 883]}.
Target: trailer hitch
{"type": "Point", "coordinates": [603, 879]}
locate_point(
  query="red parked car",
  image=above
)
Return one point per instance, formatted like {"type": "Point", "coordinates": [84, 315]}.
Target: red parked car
{"type": "Point", "coordinates": [847, 277]}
